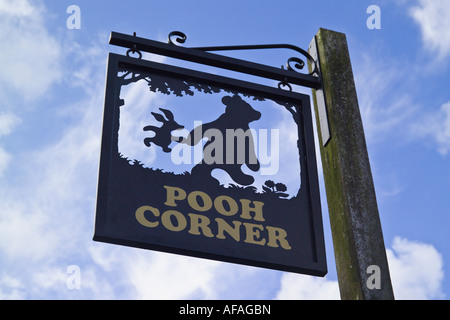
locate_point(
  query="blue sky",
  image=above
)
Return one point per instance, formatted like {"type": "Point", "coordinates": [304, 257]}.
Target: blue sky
{"type": "Point", "coordinates": [52, 88]}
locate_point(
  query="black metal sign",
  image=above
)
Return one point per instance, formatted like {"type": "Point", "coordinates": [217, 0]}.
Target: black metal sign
{"type": "Point", "coordinates": [203, 165]}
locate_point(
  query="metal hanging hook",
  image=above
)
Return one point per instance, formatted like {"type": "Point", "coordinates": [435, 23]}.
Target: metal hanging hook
{"type": "Point", "coordinates": [284, 84]}
{"type": "Point", "coordinates": [134, 50]}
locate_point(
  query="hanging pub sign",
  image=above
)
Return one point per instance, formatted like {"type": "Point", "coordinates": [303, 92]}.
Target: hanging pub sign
{"type": "Point", "coordinates": [208, 166]}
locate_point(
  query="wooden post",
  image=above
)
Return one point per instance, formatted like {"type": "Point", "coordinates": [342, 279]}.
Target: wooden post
{"type": "Point", "coordinates": [360, 254]}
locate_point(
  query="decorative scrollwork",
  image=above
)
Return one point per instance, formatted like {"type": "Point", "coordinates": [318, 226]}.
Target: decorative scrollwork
{"type": "Point", "coordinates": [180, 37]}
{"type": "Point", "coordinates": [298, 63]}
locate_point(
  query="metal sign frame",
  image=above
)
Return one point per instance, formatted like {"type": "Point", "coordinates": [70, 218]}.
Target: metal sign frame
{"type": "Point", "coordinates": [116, 222]}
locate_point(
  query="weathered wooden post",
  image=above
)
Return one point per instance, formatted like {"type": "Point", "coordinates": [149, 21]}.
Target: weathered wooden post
{"type": "Point", "coordinates": [359, 249]}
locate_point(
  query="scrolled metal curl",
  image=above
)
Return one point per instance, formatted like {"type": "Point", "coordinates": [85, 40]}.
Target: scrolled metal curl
{"type": "Point", "coordinates": [180, 38]}
{"type": "Point", "coordinates": [296, 64]}
{"type": "Point", "coordinates": [299, 64]}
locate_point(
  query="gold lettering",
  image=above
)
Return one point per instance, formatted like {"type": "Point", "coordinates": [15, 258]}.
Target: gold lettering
{"type": "Point", "coordinates": [253, 233]}
{"type": "Point", "coordinates": [200, 222]}
{"type": "Point", "coordinates": [280, 235]}
{"type": "Point", "coordinates": [257, 209]}
{"type": "Point", "coordinates": [173, 220]}
{"type": "Point", "coordinates": [174, 193]}
{"type": "Point", "coordinates": [192, 199]}
{"type": "Point", "coordinates": [140, 216]}
{"type": "Point", "coordinates": [218, 204]}
{"type": "Point", "coordinates": [222, 226]}
{"type": "Point", "coordinates": [167, 221]}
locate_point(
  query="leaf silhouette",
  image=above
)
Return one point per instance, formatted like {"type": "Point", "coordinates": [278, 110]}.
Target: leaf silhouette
{"type": "Point", "coordinates": [282, 195]}
{"type": "Point", "coordinates": [270, 183]}
{"type": "Point", "coordinates": [281, 187]}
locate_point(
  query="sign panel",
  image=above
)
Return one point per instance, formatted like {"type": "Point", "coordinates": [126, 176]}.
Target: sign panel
{"type": "Point", "coordinates": [207, 166]}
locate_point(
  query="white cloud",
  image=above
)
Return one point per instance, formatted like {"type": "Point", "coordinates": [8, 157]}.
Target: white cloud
{"type": "Point", "coordinates": [416, 273]}
{"type": "Point", "coordinates": [30, 55]}
{"type": "Point", "coordinates": [384, 108]}
{"type": "Point", "coordinates": [5, 158]}
{"type": "Point", "coordinates": [416, 270]}
{"type": "Point", "coordinates": [147, 275]}
{"type": "Point", "coordinates": [46, 218]}
{"type": "Point", "coordinates": [300, 287]}
{"type": "Point", "coordinates": [11, 288]}
{"type": "Point", "coordinates": [436, 126]}
{"type": "Point", "coordinates": [24, 231]}
{"type": "Point", "coordinates": [16, 8]}
{"type": "Point", "coordinates": [433, 17]}
{"type": "Point", "coordinates": [134, 116]}
{"type": "Point", "coordinates": [163, 276]}
{"type": "Point", "coordinates": [46, 214]}
{"type": "Point", "coordinates": [8, 122]}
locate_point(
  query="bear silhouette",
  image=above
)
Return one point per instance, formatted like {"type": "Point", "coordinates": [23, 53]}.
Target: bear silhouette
{"type": "Point", "coordinates": [236, 147]}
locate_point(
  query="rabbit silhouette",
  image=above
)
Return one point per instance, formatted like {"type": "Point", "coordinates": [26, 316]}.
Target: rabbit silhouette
{"type": "Point", "coordinates": [163, 135]}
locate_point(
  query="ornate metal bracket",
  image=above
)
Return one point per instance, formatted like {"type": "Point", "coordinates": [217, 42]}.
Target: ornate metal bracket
{"type": "Point", "coordinates": [286, 75]}
{"type": "Point", "coordinates": [299, 63]}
